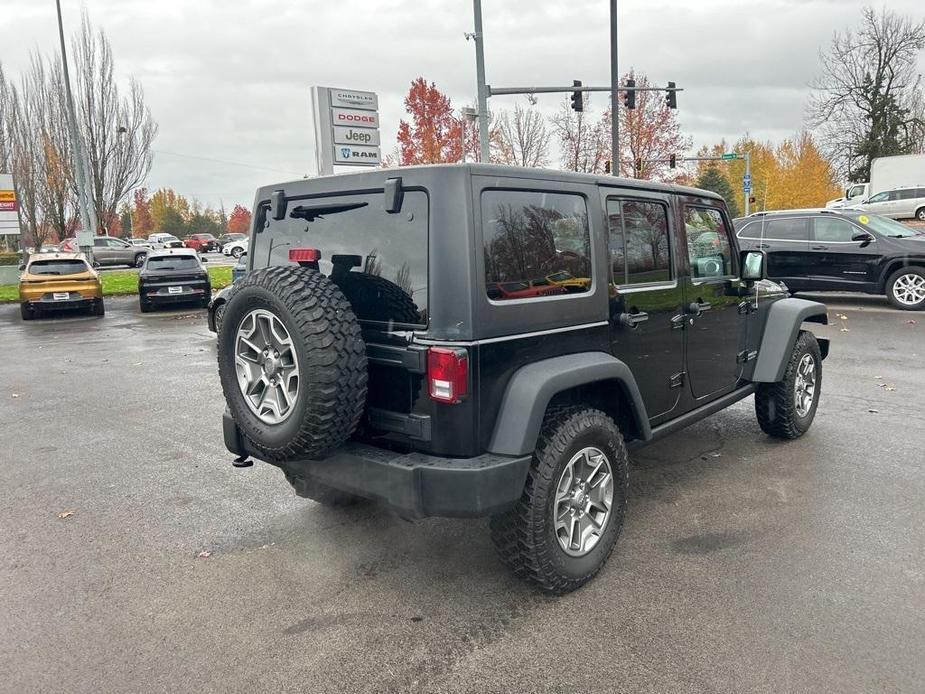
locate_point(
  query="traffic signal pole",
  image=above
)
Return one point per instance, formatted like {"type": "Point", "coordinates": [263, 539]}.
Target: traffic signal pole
{"type": "Point", "coordinates": [486, 90]}
{"type": "Point", "coordinates": [480, 77]}
{"type": "Point", "coordinates": [614, 83]}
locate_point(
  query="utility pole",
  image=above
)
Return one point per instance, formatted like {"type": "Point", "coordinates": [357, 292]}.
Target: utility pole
{"type": "Point", "coordinates": [614, 83]}
{"type": "Point", "coordinates": [480, 76]}
{"type": "Point", "coordinates": [78, 158]}
{"type": "Point", "coordinates": [747, 183]}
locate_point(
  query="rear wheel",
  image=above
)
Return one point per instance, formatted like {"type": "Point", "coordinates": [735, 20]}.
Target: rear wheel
{"type": "Point", "coordinates": [906, 288]}
{"type": "Point", "coordinates": [786, 409]}
{"type": "Point", "coordinates": [140, 259]}
{"type": "Point", "coordinates": [236, 252]}
{"type": "Point", "coordinates": [98, 308]}
{"type": "Point", "coordinates": [26, 312]}
{"type": "Point", "coordinates": [565, 526]}
{"type": "Point", "coordinates": [920, 214]}
{"type": "Point", "coordinates": [145, 305]}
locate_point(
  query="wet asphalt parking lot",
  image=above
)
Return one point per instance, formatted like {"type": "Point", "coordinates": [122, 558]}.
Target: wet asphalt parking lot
{"type": "Point", "coordinates": [745, 564]}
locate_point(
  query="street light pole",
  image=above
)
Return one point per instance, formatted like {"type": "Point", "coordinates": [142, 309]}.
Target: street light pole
{"type": "Point", "coordinates": [480, 76]}
{"type": "Point", "coordinates": [748, 177]}
{"type": "Point", "coordinates": [614, 95]}
{"type": "Point", "coordinates": [78, 158]}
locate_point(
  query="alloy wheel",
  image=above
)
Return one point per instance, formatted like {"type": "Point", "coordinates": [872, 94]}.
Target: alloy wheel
{"type": "Point", "coordinates": [805, 385]}
{"type": "Point", "coordinates": [909, 289]}
{"type": "Point", "coordinates": [267, 366]}
{"type": "Point", "coordinates": [583, 502]}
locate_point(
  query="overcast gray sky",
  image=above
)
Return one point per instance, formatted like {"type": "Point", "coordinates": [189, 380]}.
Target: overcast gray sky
{"type": "Point", "coordinates": [229, 79]}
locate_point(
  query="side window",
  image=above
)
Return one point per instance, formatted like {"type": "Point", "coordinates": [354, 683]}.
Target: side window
{"type": "Point", "coordinates": [639, 242]}
{"type": "Point", "coordinates": [99, 243]}
{"type": "Point", "coordinates": [535, 244]}
{"type": "Point", "coordinates": [787, 229]}
{"type": "Point", "coordinates": [832, 229]}
{"type": "Point", "coordinates": [708, 246]}
{"type": "Point", "coordinates": [908, 194]}
{"type": "Point", "coordinates": [879, 197]}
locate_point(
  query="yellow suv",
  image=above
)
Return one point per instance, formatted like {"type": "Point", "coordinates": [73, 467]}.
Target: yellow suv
{"type": "Point", "coordinates": [59, 281]}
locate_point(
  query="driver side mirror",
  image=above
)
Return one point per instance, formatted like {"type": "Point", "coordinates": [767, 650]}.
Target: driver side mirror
{"type": "Point", "coordinates": [22, 267]}
{"type": "Point", "coordinates": [204, 259]}
{"type": "Point", "coordinates": [754, 266]}
{"type": "Point", "coordinates": [863, 237]}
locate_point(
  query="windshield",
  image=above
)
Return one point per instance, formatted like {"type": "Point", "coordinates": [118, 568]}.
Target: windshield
{"type": "Point", "coordinates": [886, 226]}
{"type": "Point", "coordinates": [57, 267]}
{"type": "Point", "coordinates": [173, 262]}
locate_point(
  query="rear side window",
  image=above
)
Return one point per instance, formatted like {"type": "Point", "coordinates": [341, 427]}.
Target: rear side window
{"type": "Point", "coordinates": [832, 229]}
{"type": "Point", "coordinates": [535, 244]}
{"type": "Point", "coordinates": [639, 242]}
{"type": "Point", "coordinates": [778, 229]}
{"type": "Point", "coordinates": [708, 246]}
{"type": "Point", "coordinates": [377, 258]}
{"type": "Point", "coordinates": [57, 267]}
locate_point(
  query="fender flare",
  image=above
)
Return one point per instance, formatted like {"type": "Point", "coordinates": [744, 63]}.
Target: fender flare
{"type": "Point", "coordinates": [531, 388]}
{"type": "Point", "coordinates": [785, 316]}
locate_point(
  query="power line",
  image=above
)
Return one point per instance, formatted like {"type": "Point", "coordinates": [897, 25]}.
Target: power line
{"type": "Point", "coordinates": [225, 161]}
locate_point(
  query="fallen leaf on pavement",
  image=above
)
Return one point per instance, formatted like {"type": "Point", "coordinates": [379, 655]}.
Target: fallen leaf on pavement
{"type": "Point", "coordinates": [15, 395]}
{"type": "Point", "coordinates": [842, 316]}
{"type": "Point", "coordinates": [911, 321]}
{"type": "Point", "coordinates": [845, 330]}
{"type": "Point", "coordinates": [873, 411]}
{"type": "Point", "coordinates": [204, 554]}
{"type": "Point", "coordinates": [66, 514]}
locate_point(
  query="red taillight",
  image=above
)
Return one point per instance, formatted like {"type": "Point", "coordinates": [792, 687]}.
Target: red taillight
{"type": "Point", "coordinates": [447, 374]}
{"type": "Point", "coordinates": [304, 255]}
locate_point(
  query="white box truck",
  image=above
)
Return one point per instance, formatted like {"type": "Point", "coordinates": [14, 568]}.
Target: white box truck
{"type": "Point", "coordinates": [886, 173]}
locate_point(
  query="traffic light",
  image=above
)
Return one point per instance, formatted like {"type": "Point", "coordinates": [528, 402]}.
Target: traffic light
{"type": "Point", "coordinates": [751, 199]}
{"type": "Point", "coordinates": [638, 168]}
{"type": "Point", "coordinates": [578, 103]}
{"type": "Point", "coordinates": [672, 98]}
{"type": "Point", "coordinates": [672, 161]}
{"type": "Point", "coordinates": [607, 166]}
{"type": "Point", "coordinates": [629, 94]}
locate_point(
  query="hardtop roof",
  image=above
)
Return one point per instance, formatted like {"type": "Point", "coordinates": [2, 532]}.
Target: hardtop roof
{"type": "Point", "coordinates": [363, 179]}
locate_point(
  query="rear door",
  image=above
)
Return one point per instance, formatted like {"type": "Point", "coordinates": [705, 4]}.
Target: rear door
{"type": "Point", "coordinates": [884, 203]}
{"type": "Point", "coordinates": [786, 241]}
{"type": "Point", "coordinates": [715, 319]}
{"type": "Point", "coordinates": [645, 297]}
{"type": "Point", "coordinates": [103, 253]}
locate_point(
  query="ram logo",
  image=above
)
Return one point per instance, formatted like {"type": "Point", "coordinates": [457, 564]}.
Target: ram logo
{"type": "Point", "coordinates": [345, 152]}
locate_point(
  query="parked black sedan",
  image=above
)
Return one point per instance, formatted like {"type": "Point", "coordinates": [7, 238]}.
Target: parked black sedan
{"type": "Point", "coordinates": [844, 250]}
{"type": "Point", "coordinates": [173, 276]}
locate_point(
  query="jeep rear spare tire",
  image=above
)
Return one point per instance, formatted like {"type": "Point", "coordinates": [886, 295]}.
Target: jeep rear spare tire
{"type": "Point", "coordinates": [292, 363]}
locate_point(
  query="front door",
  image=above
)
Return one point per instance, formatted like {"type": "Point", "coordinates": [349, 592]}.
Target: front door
{"type": "Point", "coordinates": [786, 242]}
{"type": "Point", "coordinates": [714, 317]}
{"type": "Point", "coordinates": [644, 297]}
{"type": "Point", "coordinates": [843, 263]}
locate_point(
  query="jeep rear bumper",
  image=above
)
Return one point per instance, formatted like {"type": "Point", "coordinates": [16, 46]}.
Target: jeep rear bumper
{"type": "Point", "coordinates": [414, 484]}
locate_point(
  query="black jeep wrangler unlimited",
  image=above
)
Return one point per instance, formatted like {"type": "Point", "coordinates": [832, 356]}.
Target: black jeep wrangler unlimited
{"type": "Point", "coordinates": [469, 340]}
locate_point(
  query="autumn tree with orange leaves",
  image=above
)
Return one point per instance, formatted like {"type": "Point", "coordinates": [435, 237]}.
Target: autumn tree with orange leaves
{"type": "Point", "coordinates": [240, 220]}
{"type": "Point", "coordinates": [433, 135]}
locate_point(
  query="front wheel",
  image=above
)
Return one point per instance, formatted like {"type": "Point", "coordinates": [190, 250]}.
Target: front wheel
{"type": "Point", "coordinates": [236, 252]}
{"type": "Point", "coordinates": [565, 525]}
{"type": "Point", "coordinates": [140, 259]}
{"type": "Point", "coordinates": [786, 409]}
{"type": "Point", "coordinates": [906, 289]}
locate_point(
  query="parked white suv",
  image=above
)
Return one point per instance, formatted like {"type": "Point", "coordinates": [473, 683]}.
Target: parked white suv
{"type": "Point", "coordinates": [897, 203]}
{"type": "Point", "coordinates": [161, 241]}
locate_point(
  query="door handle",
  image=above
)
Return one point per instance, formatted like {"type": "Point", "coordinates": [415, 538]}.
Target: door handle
{"type": "Point", "coordinates": [819, 248]}
{"type": "Point", "coordinates": [631, 320]}
{"type": "Point", "coordinates": [764, 245]}
{"type": "Point", "coordinates": [695, 308]}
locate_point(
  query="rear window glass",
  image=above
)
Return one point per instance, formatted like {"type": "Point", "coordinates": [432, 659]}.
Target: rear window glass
{"type": "Point", "coordinates": [780, 229]}
{"type": "Point", "coordinates": [57, 267]}
{"type": "Point", "coordinates": [173, 262]}
{"type": "Point", "coordinates": [535, 244]}
{"type": "Point", "coordinates": [639, 251]}
{"type": "Point", "coordinates": [377, 258]}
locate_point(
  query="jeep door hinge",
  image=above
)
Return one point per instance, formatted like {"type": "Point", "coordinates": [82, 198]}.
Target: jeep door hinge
{"type": "Point", "coordinates": [676, 380]}
{"type": "Point", "coordinates": [745, 356]}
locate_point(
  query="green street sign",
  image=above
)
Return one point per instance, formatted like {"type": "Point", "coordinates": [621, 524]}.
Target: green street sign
{"type": "Point", "coordinates": [730, 155]}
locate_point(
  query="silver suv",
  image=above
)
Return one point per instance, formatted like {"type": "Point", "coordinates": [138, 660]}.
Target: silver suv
{"type": "Point", "coordinates": [108, 250]}
{"type": "Point", "coordinates": [897, 203]}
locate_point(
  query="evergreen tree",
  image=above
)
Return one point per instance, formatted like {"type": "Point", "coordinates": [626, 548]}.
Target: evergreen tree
{"type": "Point", "coordinates": [713, 179]}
